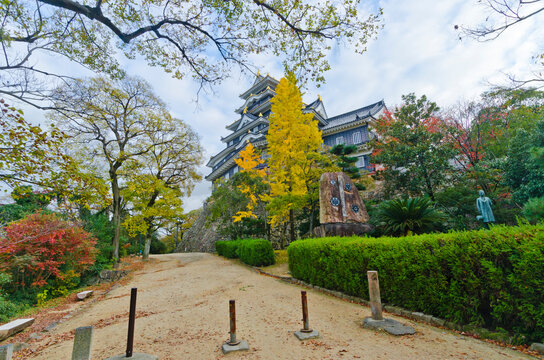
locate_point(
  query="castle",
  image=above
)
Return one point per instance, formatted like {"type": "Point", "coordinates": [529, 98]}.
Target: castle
{"type": "Point", "coordinates": [252, 125]}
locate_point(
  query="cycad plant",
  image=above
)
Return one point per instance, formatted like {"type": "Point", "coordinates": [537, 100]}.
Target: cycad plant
{"type": "Point", "coordinates": [406, 216]}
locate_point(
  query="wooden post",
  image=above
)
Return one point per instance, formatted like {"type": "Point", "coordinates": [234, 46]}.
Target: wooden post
{"type": "Point", "coordinates": [232, 313]}
{"type": "Point", "coordinates": [131, 319]}
{"type": "Point", "coordinates": [374, 292]}
{"type": "Point", "coordinates": [305, 321]}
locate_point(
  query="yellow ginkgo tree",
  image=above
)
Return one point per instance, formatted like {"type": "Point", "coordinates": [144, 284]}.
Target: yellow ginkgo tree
{"type": "Point", "coordinates": [249, 162]}
{"type": "Point", "coordinates": [294, 143]}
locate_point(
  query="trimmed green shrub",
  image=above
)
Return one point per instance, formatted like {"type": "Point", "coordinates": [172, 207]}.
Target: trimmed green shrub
{"type": "Point", "coordinates": [491, 278]}
{"type": "Point", "coordinates": [256, 252]}
{"type": "Point", "coordinates": [228, 249]}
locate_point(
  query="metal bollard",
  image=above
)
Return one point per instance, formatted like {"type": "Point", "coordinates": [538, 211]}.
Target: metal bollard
{"type": "Point", "coordinates": [305, 320]}
{"type": "Point", "coordinates": [232, 313]}
{"type": "Point", "coordinates": [131, 319]}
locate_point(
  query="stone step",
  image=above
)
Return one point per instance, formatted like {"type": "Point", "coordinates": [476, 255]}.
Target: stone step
{"type": "Point", "coordinates": [14, 327]}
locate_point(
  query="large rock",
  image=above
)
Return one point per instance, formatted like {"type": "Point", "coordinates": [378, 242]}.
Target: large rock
{"type": "Point", "coordinates": [342, 229]}
{"type": "Point", "coordinates": [200, 237]}
{"type": "Point", "coordinates": [339, 200]}
{"type": "Point", "coordinates": [341, 209]}
{"type": "Point", "coordinates": [111, 275]}
{"type": "Point", "coordinates": [537, 347]}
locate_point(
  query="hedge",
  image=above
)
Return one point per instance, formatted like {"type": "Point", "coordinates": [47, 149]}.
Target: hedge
{"type": "Point", "coordinates": [255, 252]}
{"type": "Point", "coordinates": [228, 249]}
{"type": "Point", "coordinates": [491, 278]}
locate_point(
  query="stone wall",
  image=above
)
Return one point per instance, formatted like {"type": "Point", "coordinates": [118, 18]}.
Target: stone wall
{"type": "Point", "coordinates": [199, 238]}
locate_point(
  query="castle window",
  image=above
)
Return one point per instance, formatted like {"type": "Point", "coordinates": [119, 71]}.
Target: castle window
{"type": "Point", "coordinates": [360, 162]}
{"type": "Point", "coordinates": [357, 137]}
{"type": "Point", "coordinates": [340, 140]}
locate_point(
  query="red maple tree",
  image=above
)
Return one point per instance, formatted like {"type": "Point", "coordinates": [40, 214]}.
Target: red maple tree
{"type": "Point", "coordinates": [42, 246]}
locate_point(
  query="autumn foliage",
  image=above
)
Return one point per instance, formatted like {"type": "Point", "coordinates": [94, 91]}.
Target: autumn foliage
{"type": "Point", "coordinates": [42, 247]}
{"type": "Point", "coordinates": [251, 163]}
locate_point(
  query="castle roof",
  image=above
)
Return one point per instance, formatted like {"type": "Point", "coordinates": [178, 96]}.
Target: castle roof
{"type": "Point", "coordinates": [353, 116]}
{"type": "Point", "coordinates": [260, 83]}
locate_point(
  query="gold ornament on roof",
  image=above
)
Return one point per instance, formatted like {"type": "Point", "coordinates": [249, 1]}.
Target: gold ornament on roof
{"type": "Point", "coordinates": [258, 72]}
{"type": "Point", "coordinates": [245, 110]}
{"type": "Point", "coordinates": [260, 114]}
{"type": "Point", "coordinates": [319, 97]}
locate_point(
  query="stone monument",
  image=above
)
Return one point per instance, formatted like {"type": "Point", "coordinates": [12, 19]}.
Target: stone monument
{"type": "Point", "coordinates": [341, 210]}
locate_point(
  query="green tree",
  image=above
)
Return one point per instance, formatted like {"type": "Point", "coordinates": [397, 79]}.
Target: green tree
{"type": "Point", "coordinates": [27, 202]}
{"type": "Point", "coordinates": [481, 132]}
{"type": "Point", "coordinates": [157, 180]}
{"type": "Point", "coordinates": [347, 163]}
{"type": "Point", "coordinates": [227, 200]}
{"type": "Point", "coordinates": [102, 228]}
{"type": "Point", "coordinates": [294, 143]}
{"type": "Point", "coordinates": [533, 210]}
{"type": "Point", "coordinates": [111, 125]}
{"type": "Point", "coordinates": [31, 156]}
{"type": "Point", "coordinates": [412, 148]}
{"type": "Point", "coordinates": [524, 170]}
{"type": "Point", "coordinates": [201, 38]}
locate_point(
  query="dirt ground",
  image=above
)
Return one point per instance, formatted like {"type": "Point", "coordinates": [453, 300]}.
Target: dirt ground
{"type": "Point", "coordinates": [182, 313]}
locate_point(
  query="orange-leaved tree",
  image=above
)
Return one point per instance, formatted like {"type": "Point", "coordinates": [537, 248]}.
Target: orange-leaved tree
{"type": "Point", "coordinates": [412, 148]}
{"type": "Point", "coordinates": [42, 246]}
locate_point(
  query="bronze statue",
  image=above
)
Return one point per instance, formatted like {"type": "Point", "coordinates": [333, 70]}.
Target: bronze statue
{"type": "Point", "coordinates": [483, 204]}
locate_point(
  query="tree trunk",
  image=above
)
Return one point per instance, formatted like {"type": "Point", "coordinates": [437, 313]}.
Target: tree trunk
{"type": "Point", "coordinates": [116, 214]}
{"type": "Point", "coordinates": [283, 234]}
{"type": "Point", "coordinates": [291, 225]}
{"type": "Point", "coordinates": [312, 211]}
{"type": "Point", "coordinates": [427, 178]}
{"type": "Point", "coordinates": [148, 234]}
{"type": "Point", "coordinates": [147, 247]}
{"type": "Point", "coordinates": [149, 222]}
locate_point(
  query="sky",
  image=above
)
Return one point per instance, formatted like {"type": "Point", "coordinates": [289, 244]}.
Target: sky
{"type": "Point", "coordinates": [418, 50]}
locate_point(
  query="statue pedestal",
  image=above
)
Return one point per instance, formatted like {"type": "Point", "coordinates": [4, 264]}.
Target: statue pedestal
{"type": "Point", "coordinates": [342, 229]}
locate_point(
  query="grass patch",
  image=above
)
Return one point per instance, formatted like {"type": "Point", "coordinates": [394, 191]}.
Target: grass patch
{"type": "Point", "coordinates": [281, 256]}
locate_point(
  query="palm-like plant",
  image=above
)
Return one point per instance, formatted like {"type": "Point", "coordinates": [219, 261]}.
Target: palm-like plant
{"type": "Point", "coordinates": [409, 216]}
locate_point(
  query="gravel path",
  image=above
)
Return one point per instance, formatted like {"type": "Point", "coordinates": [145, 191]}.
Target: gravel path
{"type": "Point", "coordinates": [183, 314]}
